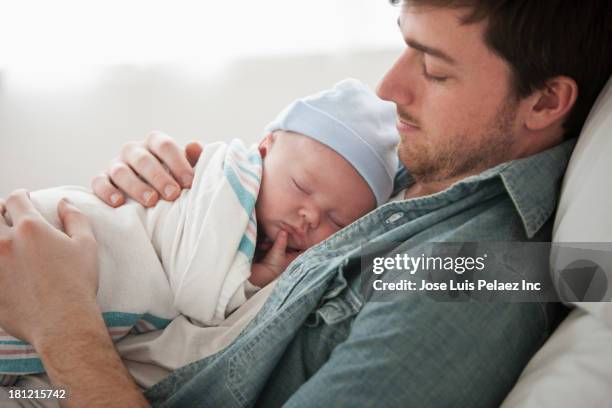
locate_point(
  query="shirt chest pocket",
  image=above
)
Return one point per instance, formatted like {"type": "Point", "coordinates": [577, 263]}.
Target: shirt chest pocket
{"type": "Point", "coordinates": [340, 301]}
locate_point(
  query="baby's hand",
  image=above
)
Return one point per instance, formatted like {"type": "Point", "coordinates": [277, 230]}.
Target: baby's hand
{"type": "Point", "coordinates": [274, 263]}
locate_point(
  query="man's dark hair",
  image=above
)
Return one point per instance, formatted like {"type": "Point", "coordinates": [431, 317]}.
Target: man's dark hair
{"type": "Point", "coordinates": [542, 39]}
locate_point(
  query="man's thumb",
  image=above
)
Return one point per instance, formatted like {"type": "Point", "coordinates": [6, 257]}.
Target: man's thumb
{"type": "Point", "coordinates": [193, 150]}
{"type": "Point", "coordinates": [75, 223]}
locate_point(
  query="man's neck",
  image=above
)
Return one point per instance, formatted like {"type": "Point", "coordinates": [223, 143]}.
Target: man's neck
{"type": "Point", "coordinates": [532, 145]}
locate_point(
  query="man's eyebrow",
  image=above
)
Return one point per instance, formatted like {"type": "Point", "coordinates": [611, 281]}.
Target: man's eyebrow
{"type": "Point", "coordinates": [434, 52]}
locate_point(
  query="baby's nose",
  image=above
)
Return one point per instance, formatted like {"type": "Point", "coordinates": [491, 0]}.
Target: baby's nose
{"type": "Point", "coordinates": [310, 219]}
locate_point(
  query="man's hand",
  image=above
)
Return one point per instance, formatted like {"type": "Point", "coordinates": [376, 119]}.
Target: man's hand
{"type": "Point", "coordinates": [275, 262]}
{"type": "Point", "coordinates": [48, 285]}
{"type": "Point", "coordinates": [147, 170]}
{"type": "Point", "coordinates": [45, 274]}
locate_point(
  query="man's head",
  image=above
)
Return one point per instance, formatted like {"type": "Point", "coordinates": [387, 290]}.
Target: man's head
{"type": "Point", "coordinates": [307, 189]}
{"type": "Point", "coordinates": [482, 82]}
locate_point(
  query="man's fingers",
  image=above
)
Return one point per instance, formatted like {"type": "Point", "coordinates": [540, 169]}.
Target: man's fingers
{"type": "Point", "coordinates": [2, 211]}
{"type": "Point", "coordinates": [150, 169]}
{"type": "Point", "coordinates": [147, 171]}
{"type": "Point", "coordinates": [122, 176]}
{"type": "Point", "coordinates": [172, 156]}
{"type": "Point", "coordinates": [18, 206]}
{"type": "Point", "coordinates": [76, 224]}
{"type": "Point", "coordinates": [102, 186]}
{"type": "Point", "coordinates": [193, 150]}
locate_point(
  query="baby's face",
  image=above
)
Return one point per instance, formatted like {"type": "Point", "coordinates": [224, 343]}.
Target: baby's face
{"type": "Point", "coordinates": [308, 190]}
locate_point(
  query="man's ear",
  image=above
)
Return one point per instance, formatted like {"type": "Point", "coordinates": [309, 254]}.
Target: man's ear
{"type": "Point", "coordinates": [552, 103]}
{"type": "Point", "coordinates": [266, 144]}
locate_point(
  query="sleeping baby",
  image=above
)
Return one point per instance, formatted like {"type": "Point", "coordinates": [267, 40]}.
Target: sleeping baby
{"type": "Point", "coordinates": [325, 161]}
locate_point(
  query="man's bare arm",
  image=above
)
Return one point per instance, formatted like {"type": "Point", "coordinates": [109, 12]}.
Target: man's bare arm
{"type": "Point", "coordinates": [87, 366]}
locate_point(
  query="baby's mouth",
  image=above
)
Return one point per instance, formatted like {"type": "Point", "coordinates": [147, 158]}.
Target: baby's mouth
{"type": "Point", "coordinates": [296, 236]}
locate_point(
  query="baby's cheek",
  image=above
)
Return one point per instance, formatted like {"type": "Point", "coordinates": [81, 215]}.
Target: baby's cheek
{"type": "Point", "coordinates": [323, 233]}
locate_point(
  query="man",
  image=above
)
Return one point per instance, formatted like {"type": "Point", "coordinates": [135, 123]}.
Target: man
{"type": "Point", "coordinates": [479, 84]}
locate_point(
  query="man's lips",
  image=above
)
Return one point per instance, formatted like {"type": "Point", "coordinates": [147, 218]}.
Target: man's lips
{"type": "Point", "coordinates": [404, 126]}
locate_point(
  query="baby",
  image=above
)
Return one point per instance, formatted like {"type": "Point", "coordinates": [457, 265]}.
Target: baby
{"type": "Point", "coordinates": [325, 161]}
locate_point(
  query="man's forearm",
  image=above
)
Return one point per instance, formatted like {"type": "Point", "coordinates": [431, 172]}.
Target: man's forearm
{"type": "Point", "coordinates": [83, 360]}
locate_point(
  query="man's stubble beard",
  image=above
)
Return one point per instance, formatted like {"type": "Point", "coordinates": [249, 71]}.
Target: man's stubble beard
{"type": "Point", "coordinates": [455, 158]}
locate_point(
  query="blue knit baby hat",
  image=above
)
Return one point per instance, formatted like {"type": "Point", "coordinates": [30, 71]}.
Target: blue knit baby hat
{"type": "Point", "coordinates": [353, 121]}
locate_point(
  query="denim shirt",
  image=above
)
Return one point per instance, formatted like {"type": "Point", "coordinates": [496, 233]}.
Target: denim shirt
{"type": "Point", "coordinates": [317, 342]}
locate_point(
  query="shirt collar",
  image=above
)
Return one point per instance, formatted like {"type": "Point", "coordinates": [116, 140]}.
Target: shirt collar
{"type": "Point", "coordinates": [532, 183]}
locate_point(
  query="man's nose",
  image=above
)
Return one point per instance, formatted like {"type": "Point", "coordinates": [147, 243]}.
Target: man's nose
{"type": "Point", "coordinates": [398, 84]}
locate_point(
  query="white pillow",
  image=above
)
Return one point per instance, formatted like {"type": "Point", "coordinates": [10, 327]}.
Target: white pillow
{"type": "Point", "coordinates": [584, 213]}
{"type": "Point", "coordinates": [574, 367]}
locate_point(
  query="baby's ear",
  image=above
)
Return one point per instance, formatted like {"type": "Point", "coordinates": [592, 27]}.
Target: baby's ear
{"type": "Point", "coordinates": [265, 144]}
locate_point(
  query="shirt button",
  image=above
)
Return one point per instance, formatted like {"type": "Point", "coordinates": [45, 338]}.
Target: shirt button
{"type": "Point", "coordinates": [394, 217]}
{"type": "Point", "coordinates": [296, 271]}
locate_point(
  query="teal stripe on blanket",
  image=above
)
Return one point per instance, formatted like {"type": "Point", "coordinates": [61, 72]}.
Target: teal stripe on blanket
{"type": "Point", "coordinates": [247, 247]}
{"type": "Point", "coordinates": [246, 199]}
{"type": "Point", "coordinates": [158, 322]}
{"type": "Point", "coordinates": [249, 173]}
{"type": "Point", "coordinates": [23, 365]}
{"type": "Point", "coordinates": [111, 319]}
{"type": "Point", "coordinates": [14, 342]}
{"type": "Point", "coordinates": [114, 319]}
{"type": "Point", "coordinates": [255, 158]}
{"type": "Point", "coordinates": [122, 319]}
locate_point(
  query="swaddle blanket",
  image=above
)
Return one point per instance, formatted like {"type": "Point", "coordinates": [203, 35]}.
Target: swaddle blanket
{"type": "Point", "coordinates": [191, 256]}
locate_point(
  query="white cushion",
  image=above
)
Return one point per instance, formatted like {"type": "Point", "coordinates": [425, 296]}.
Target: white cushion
{"type": "Point", "coordinates": [583, 213]}
{"type": "Point", "coordinates": [574, 367]}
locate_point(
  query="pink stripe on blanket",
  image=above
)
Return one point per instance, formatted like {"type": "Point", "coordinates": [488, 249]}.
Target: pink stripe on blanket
{"type": "Point", "coordinates": [251, 231]}
{"type": "Point", "coordinates": [249, 184]}
{"type": "Point", "coordinates": [17, 351]}
{"type": "Point", "coordinates": [118, 332]}
{"type": "Point", "coordinates": [143, 326]}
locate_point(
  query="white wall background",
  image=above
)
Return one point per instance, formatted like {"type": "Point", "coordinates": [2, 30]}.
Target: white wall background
{"type": "Point", "coordinates": [78, 79]}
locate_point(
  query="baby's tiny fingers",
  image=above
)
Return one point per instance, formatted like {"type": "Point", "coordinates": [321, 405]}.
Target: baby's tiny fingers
{"type": "Point", "coordinates": [280, 243]}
